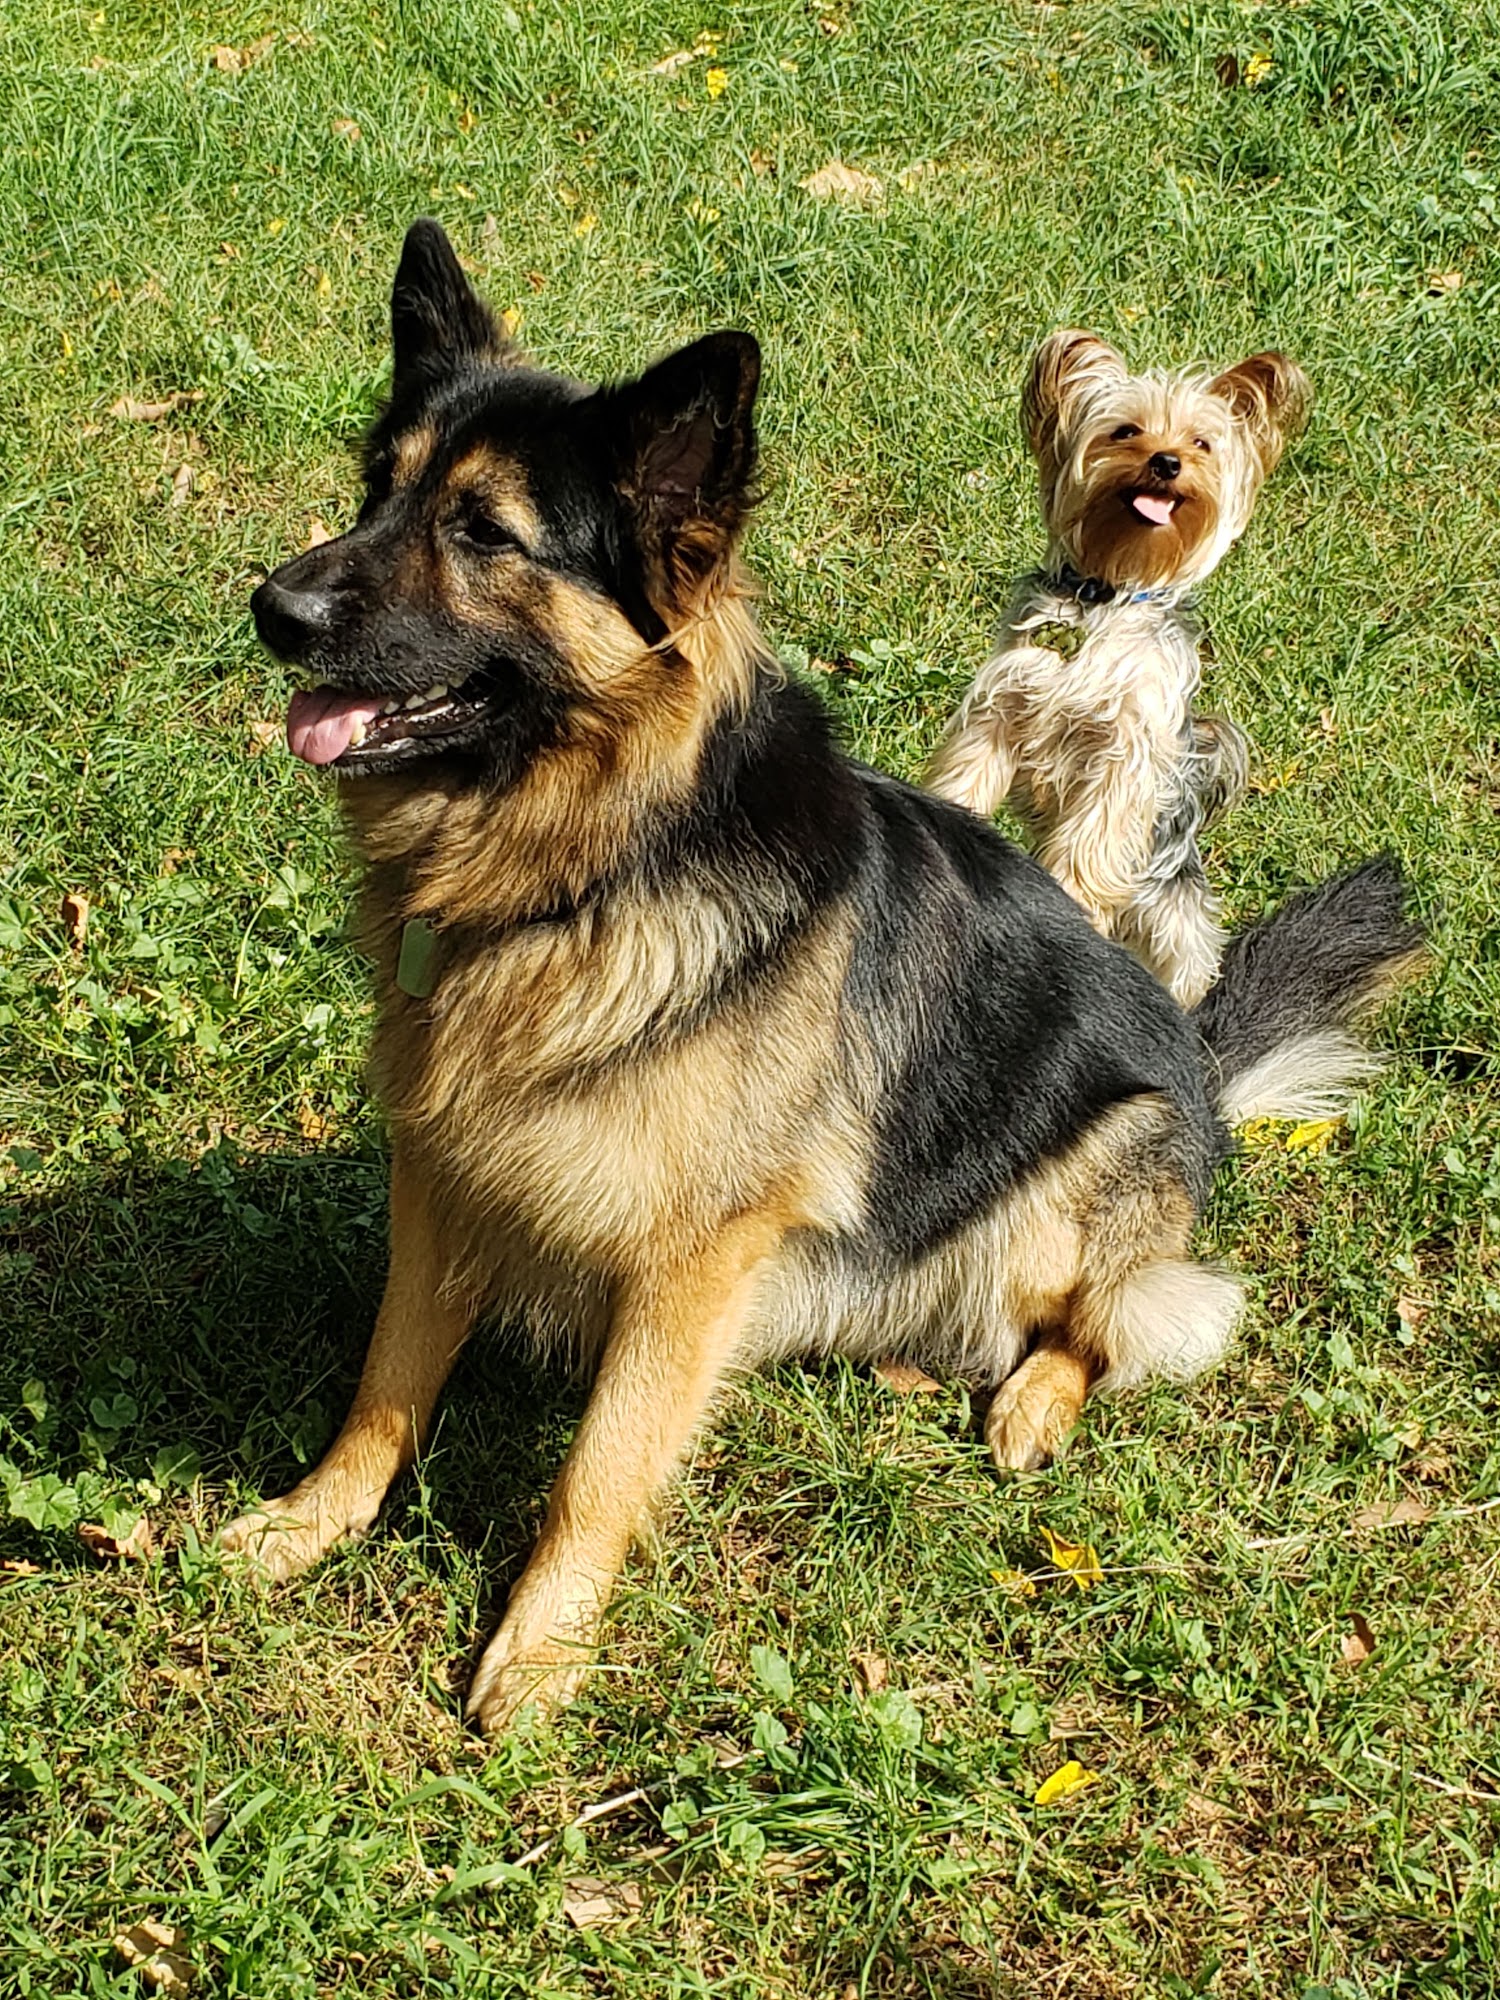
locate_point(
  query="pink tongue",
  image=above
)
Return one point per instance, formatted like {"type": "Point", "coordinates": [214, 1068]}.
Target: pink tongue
{"type": "Point", "coordinates": [1152, 507]}
{"type": "Point", "coordinates": [320, 726]}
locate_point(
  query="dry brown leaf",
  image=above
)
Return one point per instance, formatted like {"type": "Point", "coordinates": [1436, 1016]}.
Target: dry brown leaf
{"type": "Point", "coordinates": [678, 59]}
{"type": "Point", "coordinates": [838, 182]}
{"type": "Point", "coordinates": [873, 1671]}
{"type": "Point", "coordinates": [75, 917]}
{"type": "Point", "coordinates": [260, 736]}
{"type": "Point", "coordinates": [317, 534]}
{"type": "Point", "coordinates": [174, 857]}
{"type": "Point", "coordinates": [1441, 283]}
{"type": "Point", "coordinates": [311, 1123]}
{"type": "Point", "coordinates": [19, 1566]}
{"type": "Point", "coordinates": [134, 1547]}
{"type": "Point", "coordinates": [761, 162]}
{"type": "Point", "coordinates": [345, 128]}
{"type": "Point", "coordinates": [156, 1950]}
{"type": "Point", "coordinates": [232, 61]}
{"type": "Point", "coordinates": [129, 410]}
{"type": "Point", "coordinates": [902, 1379]}
{"type": "Point", "coordinates": [587, 1902]}
{"type": "Point", "coordinates": [1394, 1514]}
{"type": "Point", "coordinates": [1411, 1312]}
{"type": "Point", "coordinates": [1358, 1642]}
{"type": "Point", "coordinates": [182, 486]}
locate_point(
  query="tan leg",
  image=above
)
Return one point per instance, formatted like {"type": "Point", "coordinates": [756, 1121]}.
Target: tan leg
{"type": "Point", "coordinates": [417, 1338]}
{"type": "Point", "coordinates": [1035, 1408]}
{"type": "Point", "coordinates": [974, 765]}
{"type": "Point", "coordinates": [673, 1339]}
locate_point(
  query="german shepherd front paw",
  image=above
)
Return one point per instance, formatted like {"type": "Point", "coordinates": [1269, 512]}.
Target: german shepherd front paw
{"type": "Point", "coordinates": [538, 1659]}
{"type": "Point", "coordinates": [281, 1538]}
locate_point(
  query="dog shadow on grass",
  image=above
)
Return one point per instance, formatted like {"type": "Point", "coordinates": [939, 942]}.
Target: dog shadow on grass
{"type": "Point", "coordinates": [217, 1310]}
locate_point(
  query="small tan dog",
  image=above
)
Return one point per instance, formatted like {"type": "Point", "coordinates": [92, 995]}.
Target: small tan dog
{"type": "Point", "coordinates": [1083, 716]}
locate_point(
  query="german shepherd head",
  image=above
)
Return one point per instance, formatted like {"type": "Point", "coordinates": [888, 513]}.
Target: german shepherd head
{"type": "Point", "coordinates": [530, 551]}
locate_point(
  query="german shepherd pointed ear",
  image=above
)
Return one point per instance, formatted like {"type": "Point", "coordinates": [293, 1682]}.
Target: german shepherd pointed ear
{"type": "Point", "coordinates": [435, 312]}
{"type": "Point", "coordinates": [683, 438]}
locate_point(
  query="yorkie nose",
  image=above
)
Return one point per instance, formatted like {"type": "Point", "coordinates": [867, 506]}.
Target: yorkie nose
{"type": "Point", "coordinates": [1165, 464]}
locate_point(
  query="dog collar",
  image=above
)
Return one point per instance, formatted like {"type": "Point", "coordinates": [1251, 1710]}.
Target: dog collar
{"type": "Point", "coordinates": [1067, 582]}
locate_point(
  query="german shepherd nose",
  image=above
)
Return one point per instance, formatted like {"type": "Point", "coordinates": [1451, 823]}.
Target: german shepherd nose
{"type": "Point", "coordinates": [289, 620]}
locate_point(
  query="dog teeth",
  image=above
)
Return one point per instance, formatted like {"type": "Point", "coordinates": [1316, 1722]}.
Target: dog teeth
{"type": "Point", "coordinates": [389, 707]}
{"type": "Point", "coordinates": [358, 733]}
{"type": "Point", "coordinates": [436, 693]}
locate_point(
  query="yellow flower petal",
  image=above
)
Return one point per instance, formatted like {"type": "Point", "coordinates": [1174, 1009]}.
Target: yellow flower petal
{"type": "Point", "coordinates": [1077, 1559]}
{"type": "Point", "coordinates": [716, 82]}
{"type": "Point", "coordinates": [1257, 69]}
{"type": "Point", "coordinates": [1071, 1777]}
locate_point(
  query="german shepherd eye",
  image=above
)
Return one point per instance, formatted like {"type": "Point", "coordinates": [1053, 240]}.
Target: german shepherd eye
{"type": "Point", "coordinates": [483, 532]}
{"type": "Point", "coordinates": [1123, 431]}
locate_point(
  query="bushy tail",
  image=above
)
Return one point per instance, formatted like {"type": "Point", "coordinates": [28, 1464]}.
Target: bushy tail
{"type": "Point", "coordinates": [1277, 1022]}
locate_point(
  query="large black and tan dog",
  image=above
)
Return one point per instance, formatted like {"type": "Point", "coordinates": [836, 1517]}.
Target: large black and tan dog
{"type": "Point", "coordinates": [702, 1043]}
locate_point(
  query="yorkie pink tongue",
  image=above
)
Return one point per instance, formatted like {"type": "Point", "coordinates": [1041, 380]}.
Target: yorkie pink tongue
{"type": "Point", "coordinates": [1153, 507]}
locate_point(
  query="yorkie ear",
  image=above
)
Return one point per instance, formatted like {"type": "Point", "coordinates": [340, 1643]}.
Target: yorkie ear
{"type": "Point", "coordinates": [1271, 397]}
{"type": "Point", "coordinates": [1066, 364]}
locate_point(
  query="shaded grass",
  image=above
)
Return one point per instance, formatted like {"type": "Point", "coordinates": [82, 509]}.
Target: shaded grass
{"type": "Point", "coordinates": [191, 1228]}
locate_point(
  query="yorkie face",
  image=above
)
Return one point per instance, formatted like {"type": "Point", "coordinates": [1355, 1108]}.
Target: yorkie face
{"type": "Point", "coordinates": [1147, 479]}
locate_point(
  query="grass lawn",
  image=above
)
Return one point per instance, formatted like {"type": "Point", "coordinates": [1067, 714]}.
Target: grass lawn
{"type": "Point", "coordinates": [836, 1683]}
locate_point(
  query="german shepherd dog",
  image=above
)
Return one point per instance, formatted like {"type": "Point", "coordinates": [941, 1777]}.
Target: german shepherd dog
{"type": "Point", "coordinates": [701, 1043]}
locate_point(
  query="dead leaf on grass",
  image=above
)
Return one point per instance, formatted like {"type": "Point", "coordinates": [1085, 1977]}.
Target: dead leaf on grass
{"type": "Point", "coordinates": [317, 534]}
{"type": "Point", "coordinates": [132, 1547]}
{"type": "Point", "coordinates": [75, 917]}
{"type": "Point", "coordinates": [1411, 1312]}
{"type": "Point", "coordinates": [19, 1566]}
{"type": "Point", "coordinates": [234, 62]}
{"type": "Point", "coordinates": [311, 1123]}
{"type": "Point", "coordinates": [260, 736]}
{"type": "Point", "coordinates": [1358, 1642]}
{"type": "Point", "coordinates": [1394, 1514]}
{"type": "Point", "coordinates": [174, 857]}
{"type": "Point", "coordinates": [129, 409]}
{"type": "Point", "coordinates": [345, 128]}
{"type": "Point", "coordinates": [182, 486]}
{"type": "Point", "coordinates": [1078, 1560]}
{"type": "Point", "coordinates": [678, 59]}
{"type": "Point", "coordinates": [902, 1379]}
{"type": "Point", "coordinates": [838, 182]}
{"type": "Point", "coordinates": [873, 1671]}
{"type": "Point", "coordinates": [587, 1902]}
{"type": "Point", "coordinates": [156, 1951]}
{"type": "Point", "coordinates": [1014, 1582]}
{"type": "Point", "coordinates": [1441, 283]}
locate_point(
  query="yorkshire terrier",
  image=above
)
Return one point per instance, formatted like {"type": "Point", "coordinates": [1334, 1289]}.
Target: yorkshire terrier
{"type": "Point", "coordinates": [1083, 716]}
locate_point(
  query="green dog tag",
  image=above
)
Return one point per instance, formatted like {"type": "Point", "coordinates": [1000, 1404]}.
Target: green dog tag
{"type": "Point", "coordinates": [421, 959]}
